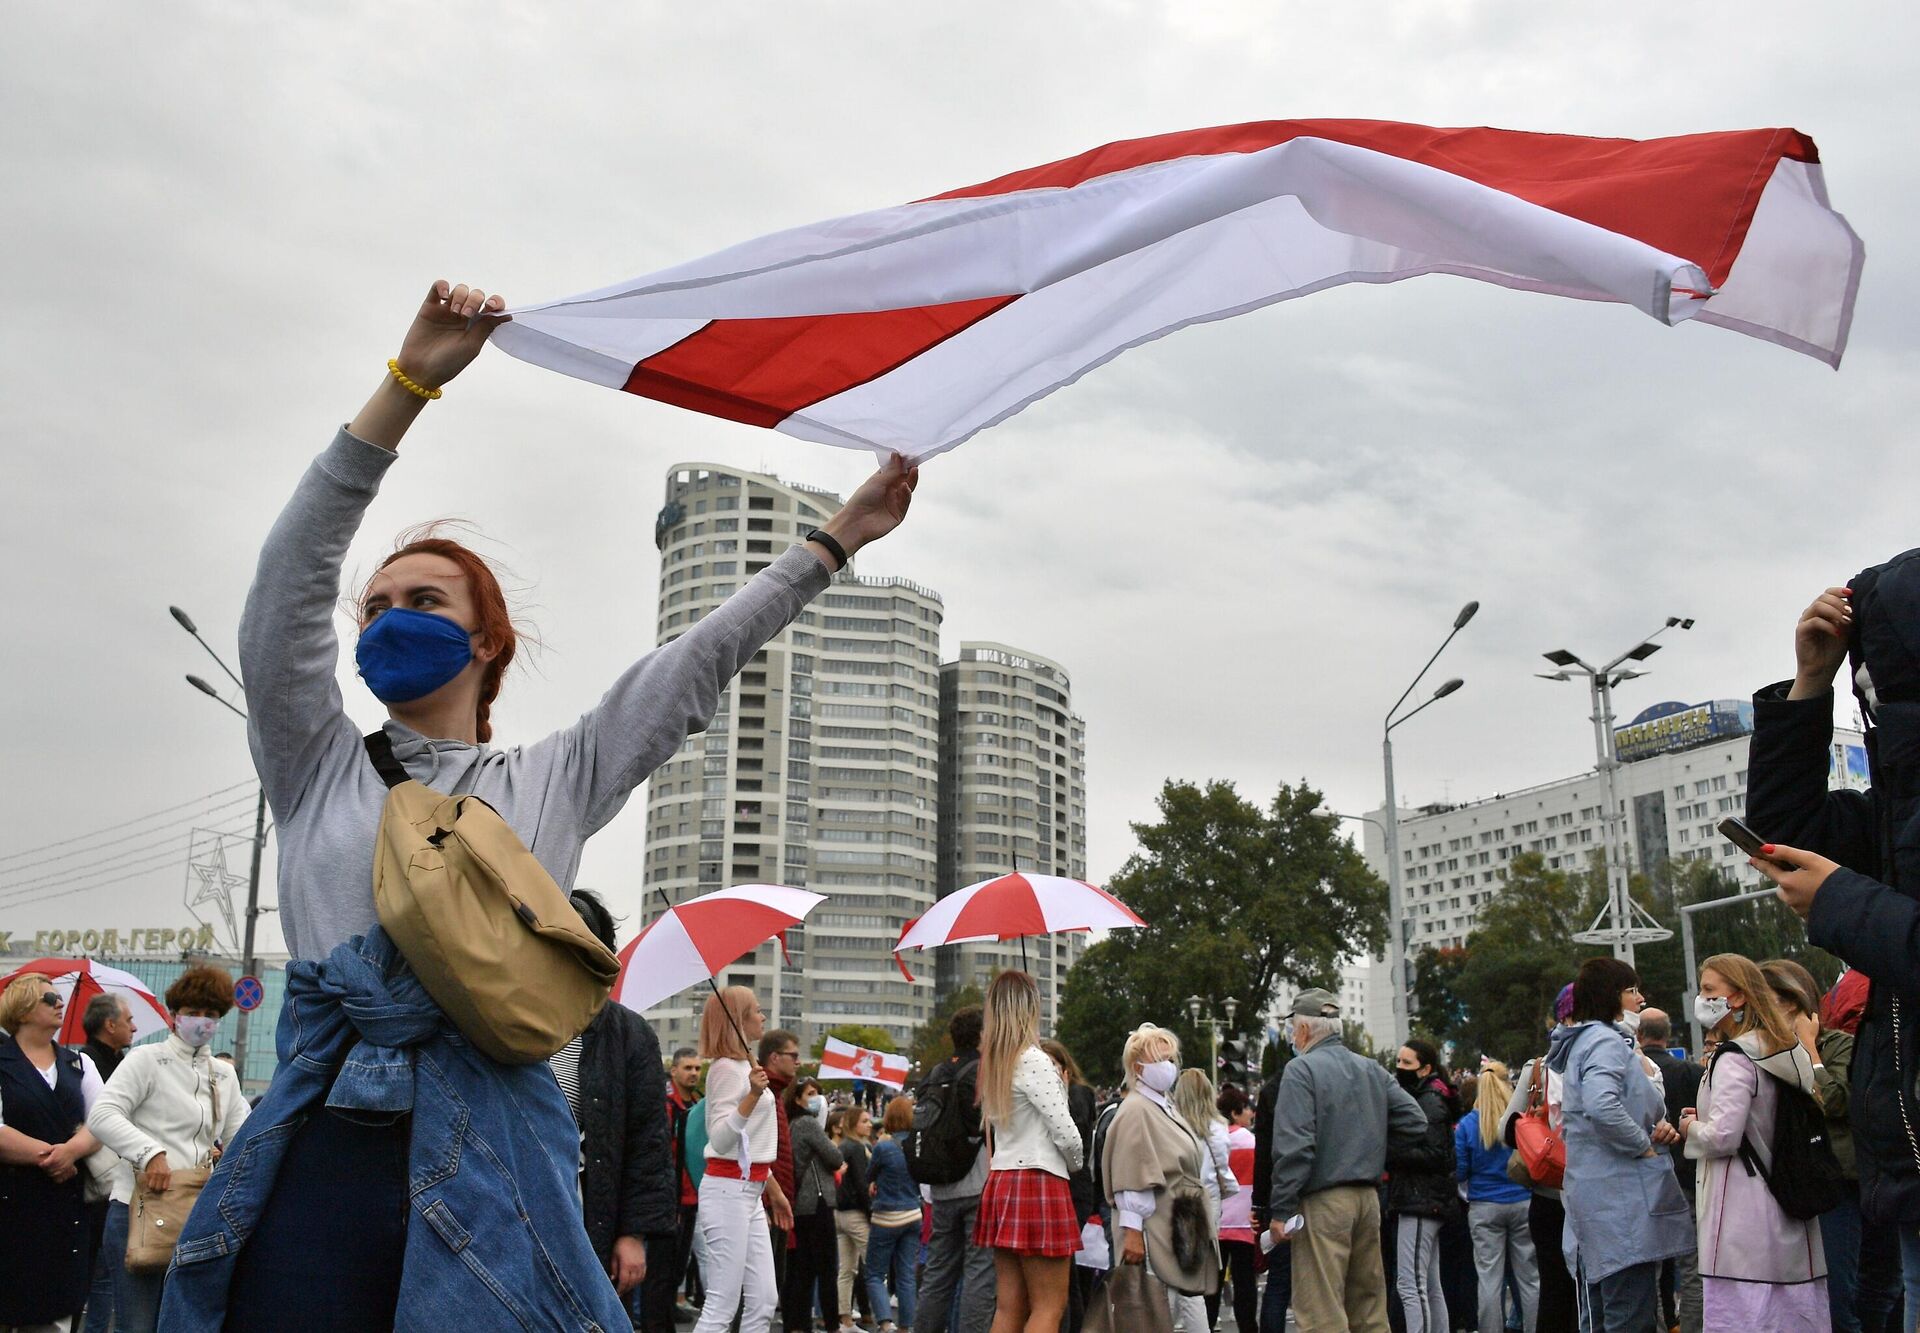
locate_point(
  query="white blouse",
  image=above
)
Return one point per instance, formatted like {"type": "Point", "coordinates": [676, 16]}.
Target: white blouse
{"type": "Point", "coordinates": [747, 1139]}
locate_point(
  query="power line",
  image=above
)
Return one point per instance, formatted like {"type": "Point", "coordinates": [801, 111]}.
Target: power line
{"type": "Point", "coordinates": [160, 831]}
{"type": "Point", "coordinates": [125, 823]}
{"type": "Point", "coordinates": [24, 894]}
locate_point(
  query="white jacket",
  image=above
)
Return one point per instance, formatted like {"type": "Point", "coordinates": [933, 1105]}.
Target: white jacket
{"type": "Point", "coordinates": [1040, 1134]}
{"type": "Point", "coordinates": [161, 1099]}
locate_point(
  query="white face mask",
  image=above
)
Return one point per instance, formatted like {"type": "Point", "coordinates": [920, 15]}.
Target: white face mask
{"type": "Point", "coordinates": [816, 1104]}
{"type": "Point", "coordinates": [1159, 1076]}
{"type": "Point", "coordinates": [1630, 1020]}
{"type": "Point", "coordinates": [1710, 1009]}
{"type": "Point", "coordinates": [195, 1031]}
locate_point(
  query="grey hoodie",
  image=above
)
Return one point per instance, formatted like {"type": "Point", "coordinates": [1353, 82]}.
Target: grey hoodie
{"type": "Point", "coordinates": [327, 799]}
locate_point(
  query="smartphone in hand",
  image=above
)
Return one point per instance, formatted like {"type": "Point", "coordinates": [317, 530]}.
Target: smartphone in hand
{"type": "Point", "coordinates": [1735, 830]}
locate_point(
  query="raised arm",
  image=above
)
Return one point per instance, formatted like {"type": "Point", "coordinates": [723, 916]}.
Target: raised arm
{"type": "Point", "coordinates": [288, 647]}
{"type": "Point", "coordinates": [1787, 796]}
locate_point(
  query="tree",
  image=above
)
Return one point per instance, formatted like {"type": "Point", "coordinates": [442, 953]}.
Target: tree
{"type": "Point", "coordinates": [931, 1044]}
{"type": "Point", "coordinates": [874, 1039]}
{"type": "Point", "coordinates": [1436, 994]}
{"type": "Point", "coordinates": [1519, 955]}
{"type": "Point", "coordinates": [1238, 900]}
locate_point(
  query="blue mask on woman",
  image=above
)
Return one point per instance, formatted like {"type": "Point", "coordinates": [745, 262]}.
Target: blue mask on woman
{"type": "Point", "coordinates": [406, 655]}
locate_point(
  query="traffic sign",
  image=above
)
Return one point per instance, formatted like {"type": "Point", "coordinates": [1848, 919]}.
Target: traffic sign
{"type": "Point", "coordinates": [248, 992]}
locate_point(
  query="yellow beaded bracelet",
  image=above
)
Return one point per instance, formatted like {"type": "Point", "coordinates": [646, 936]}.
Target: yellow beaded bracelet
{"type": "Point", "coordinates": [417, 390]}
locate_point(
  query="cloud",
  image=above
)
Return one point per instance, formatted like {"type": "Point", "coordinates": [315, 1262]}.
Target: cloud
{"type": "Point", "coordinates": [1241, 541]}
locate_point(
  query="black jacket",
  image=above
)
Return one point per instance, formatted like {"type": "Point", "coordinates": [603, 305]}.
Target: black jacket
{"type": "Point", "coordinates": [1681, 1079]}
{"type": "Point", "coordinates": [853, 1197]}
{"type": "Point", "coordinates": [1872, 925]}
{"type": "Point", "coordinates": [105, 1058]}
{"type": "Point", "coordinates": [1421, 1180]}
{"type": "Point", "coordinates": [629, 1187]}
{"type": "Point", "coordinates": [1263, 1147]}
{"type": "Point", "coordinates": [1080, 1105]}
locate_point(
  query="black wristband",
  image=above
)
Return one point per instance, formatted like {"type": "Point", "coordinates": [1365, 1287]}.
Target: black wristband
{"type": "Point", "coordinates": [834, 548]}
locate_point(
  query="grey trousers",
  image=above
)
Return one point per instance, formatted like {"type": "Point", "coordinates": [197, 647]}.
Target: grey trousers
{"type": "Point", "coordinates": [1686, 1291]}
{"type": "Point", "coordinates": [1624, 1302]}
{"type": "Point", "coordinates": [1416, 1274]}
{"type": "Point", "coordinates": [1501, 1243]}
{"type": "Point", "coordinates": [953, 1260]}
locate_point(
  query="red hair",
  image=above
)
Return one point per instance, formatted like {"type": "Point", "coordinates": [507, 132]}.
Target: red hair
{"type": "Point", "coordinates": [490, 606]}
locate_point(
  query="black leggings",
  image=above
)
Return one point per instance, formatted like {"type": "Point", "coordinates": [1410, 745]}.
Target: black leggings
{"type": "Point", "coordinates": [1559, 1312]}
{"type": "Point", "coordinates": [813, 1263]}
{"type": "Point", "coordinates": [1246, 1291]}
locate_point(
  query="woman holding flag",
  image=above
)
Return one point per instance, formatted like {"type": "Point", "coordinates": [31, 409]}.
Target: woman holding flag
{"type": "Point", "coordinates": [314, 1196]}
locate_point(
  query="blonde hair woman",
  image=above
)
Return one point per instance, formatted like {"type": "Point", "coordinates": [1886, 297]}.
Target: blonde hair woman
{"type": "Point", "coordinates": [45, 1093]}
{"type": "Point", "coordinates": [1497, 1208]}
{"type": "Point", "coordinates": [738, 1188]}
{"type": "Point", "coordinates": [1026, 1210]}
{"type": "Point", "coordinates": [1196, 1101]}
{"type": "Point", "coordinates": [1759, 1268]}
{"type": "Point", "coordinates": [1152, 1164]}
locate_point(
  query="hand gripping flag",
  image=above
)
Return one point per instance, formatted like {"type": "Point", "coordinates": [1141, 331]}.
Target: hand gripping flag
{"type": "Point", "coordinates": [842, 1059]}
{"type": "Point", "coordinates": [911, 328]}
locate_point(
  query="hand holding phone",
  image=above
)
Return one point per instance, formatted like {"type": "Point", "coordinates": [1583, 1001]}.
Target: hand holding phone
{"type": "Point", "coordinates": [1735, 830]}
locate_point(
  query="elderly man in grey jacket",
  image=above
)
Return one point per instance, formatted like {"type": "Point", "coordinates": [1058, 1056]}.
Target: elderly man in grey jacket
{"type": "Point", "coordinates": [1335, 1117]}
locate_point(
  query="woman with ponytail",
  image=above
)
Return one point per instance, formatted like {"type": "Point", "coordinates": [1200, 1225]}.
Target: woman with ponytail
{"type": "Point", "coordinates": [392, 1167]}
{"type": "Point", "coordinates": [1496, 1207]}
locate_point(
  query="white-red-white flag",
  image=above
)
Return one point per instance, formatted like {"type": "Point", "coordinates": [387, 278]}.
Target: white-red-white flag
{"type": "Point", "coordinates": [911, 328]}
{"type": "Point", "coordinates": [843, 1059]}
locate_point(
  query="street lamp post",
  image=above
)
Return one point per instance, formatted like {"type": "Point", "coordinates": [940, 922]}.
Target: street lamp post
{"type": "Point", "coordinates": [1628, 922]}
{"type": "Point", "coordinates": [1196, 1007]}
{"type": "Point", "coordinates": [240, 1024]}
{"type": "Point", "coordinates": [1399, 983]}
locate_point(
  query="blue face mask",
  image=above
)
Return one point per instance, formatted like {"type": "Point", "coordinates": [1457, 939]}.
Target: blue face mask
{"type": "Point", "coordinates": [406, 655]}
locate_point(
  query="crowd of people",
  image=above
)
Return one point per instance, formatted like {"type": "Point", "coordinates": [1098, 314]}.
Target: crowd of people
{"type": "Point", "coordinates": [395, 1175]}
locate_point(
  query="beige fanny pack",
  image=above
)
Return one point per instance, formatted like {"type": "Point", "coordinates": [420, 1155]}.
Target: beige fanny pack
{"type": "Point", "coordinates": [481, 922]}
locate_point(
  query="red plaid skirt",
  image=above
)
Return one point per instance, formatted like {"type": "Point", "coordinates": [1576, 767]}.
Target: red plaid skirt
{"type": "Point", "coordinates": [1027, 1212]}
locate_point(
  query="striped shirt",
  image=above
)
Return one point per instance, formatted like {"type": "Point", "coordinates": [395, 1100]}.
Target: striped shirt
{"type": "Point", "coordinates": [566, 1072]}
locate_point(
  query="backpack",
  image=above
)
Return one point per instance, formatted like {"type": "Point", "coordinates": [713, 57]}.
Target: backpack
{"type": "Point", "coordinates": [1101, 1124]}
{"type": "Point", "coordinates": [481, 922]}
{"type": "Point", "coordinates": [1805, 1177]}
{"type": "Point", "coordinates": [945, 1140]}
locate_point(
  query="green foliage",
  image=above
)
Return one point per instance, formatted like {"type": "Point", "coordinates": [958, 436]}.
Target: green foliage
{"type": "Point", "coordinates": [1436, 994]}
{"type": "Point", "coordinates": [1238, 900]}
{"type": "Point", "coordinates": [874, 1039]}
{"type": "Point", "coordinates": [931, 1044]}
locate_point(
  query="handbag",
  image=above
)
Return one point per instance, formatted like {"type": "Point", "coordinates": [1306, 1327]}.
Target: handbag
{"type": "Point", "coordinates": [481, 922]}
{"type": "Point", "coordinates": [1131, 1300]}
{"type": "Point", "coordinates": [1536, 1142]}
{"type": "Point", "coordinates": [155, 1218]}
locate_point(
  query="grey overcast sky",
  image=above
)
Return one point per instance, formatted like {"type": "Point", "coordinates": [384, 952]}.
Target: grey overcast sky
{"type": "Point", "coordinates": [1241, 541]}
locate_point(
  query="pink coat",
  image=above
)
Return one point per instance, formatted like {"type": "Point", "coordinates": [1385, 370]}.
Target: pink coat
{"type": "Point", "coordinates": [1743, 1233]}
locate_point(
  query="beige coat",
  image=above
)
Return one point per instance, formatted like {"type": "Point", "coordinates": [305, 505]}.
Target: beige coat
{"type": "Point", "coordinates": [1149, 1150]}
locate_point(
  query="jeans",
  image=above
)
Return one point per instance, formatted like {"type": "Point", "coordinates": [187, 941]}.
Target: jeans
{"type": "Point", "coordinates": [1840, 1238]}
{"type": "Point", "coordinates": [1910, 1274]}
{"type": "Point", "coordinates": [891, 1249]}
{"type": "Point", "coordinates": [1625, 1302]}
{"type": "Point", "coordinates": [100, 1294]}
{"type": "Point", "coordinates": [1876, 1294]}
{"type": "Point", "coordinates": [954, 1262]}
{"type": "Point", "coordinates": [738, 1263]}
{"type": "Point", "coordinates": [1417, 1273]}
{"type": "Point", "coordinates": [667, 1257]}
{"type": "Point", "coordinates": [136, 1296]}
{"type": "Point", "coordinates": [1278, 1297]}
{"type": "Point", "coordinates": [1500, 1245]}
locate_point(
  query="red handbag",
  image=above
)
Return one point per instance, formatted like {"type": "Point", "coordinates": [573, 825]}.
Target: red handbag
{"type": "Point", "coordinates": [1540, 1146]}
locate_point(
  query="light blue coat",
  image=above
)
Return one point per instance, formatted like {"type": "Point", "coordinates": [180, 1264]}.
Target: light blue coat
{"type": "Point", "coordinates": [1624, 1206]}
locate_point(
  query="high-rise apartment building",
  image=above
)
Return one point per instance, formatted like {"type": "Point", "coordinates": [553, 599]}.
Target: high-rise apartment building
{"type": "Point", "coordinates": [820, 768]}
{"type": "Point", "coordinates": [1012, 797]}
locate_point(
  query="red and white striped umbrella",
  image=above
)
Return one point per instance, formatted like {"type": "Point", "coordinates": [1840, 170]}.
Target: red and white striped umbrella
{"type": "Point", "coordinates": [1011, 907]}
{"type": "Point", "coordinates": [691, 943]}
{"type": "Point", "coordinates": [80, 979]}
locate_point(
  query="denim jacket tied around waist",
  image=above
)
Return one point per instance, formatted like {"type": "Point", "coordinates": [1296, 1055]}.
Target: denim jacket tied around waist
{"type": "Point", "coordinates": [495, 1230]}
